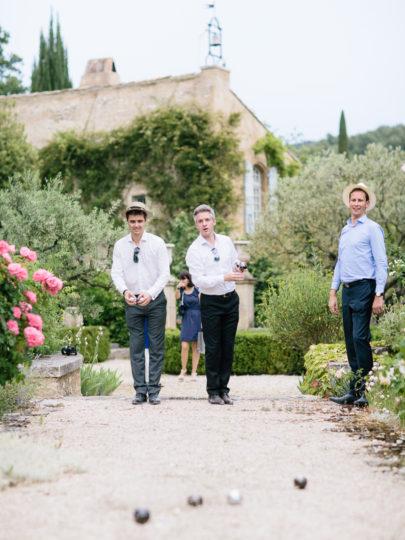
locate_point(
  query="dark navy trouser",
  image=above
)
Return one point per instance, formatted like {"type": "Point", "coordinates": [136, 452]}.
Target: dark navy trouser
{"type": "Point", "coordinates": [357, 301]}
{"type": "Point", "coordinates": [155, 312]}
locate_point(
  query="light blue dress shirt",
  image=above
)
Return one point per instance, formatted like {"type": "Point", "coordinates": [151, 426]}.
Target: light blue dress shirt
{"type": "Point", "coordinates": [361, 254]}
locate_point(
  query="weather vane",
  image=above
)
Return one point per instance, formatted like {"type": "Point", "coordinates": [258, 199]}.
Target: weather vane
{"type": "Point", "coordinates": [214, 56]}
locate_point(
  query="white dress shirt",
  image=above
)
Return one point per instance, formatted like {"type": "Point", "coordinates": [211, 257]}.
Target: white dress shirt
{"type": "Point", "coordinates": [206, 272]}
{"type": "Point", "coordinates": [150, 273]}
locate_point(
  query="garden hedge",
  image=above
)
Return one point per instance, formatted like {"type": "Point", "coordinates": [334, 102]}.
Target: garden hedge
{"type": "Point", "coordinates": [256, 353]}
{"type": "Point", "coordinates": [87, 341]}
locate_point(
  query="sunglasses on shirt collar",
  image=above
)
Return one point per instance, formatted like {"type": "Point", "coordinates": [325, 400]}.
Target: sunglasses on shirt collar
{"type": "Point", "coordinates": [215, 253]}
{"type": "Point", "coordinates": [136, 254]}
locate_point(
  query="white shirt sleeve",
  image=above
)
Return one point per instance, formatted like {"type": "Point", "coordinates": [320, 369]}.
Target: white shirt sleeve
{"type": "Point", "coordinates": [117, 271]}
{"type": "Point", "coordinates": [163, 271]}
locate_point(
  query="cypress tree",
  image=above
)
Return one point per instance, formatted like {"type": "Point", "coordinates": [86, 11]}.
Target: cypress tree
{"type": "Point", "coordinates": [51, 71]}
{"type": "Point", "coordinates": [343, 139]}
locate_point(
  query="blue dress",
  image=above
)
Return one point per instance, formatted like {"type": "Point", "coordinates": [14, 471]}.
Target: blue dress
{"type": "Point", "coordinates": [191, 323]}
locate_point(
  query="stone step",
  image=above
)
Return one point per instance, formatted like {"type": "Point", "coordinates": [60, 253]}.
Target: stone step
{"type": "Point", "coordinates": [118, 353]}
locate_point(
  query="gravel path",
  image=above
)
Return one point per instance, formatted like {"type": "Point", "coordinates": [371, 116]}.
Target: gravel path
{"type": "Point", "coordinates": [156, 456]}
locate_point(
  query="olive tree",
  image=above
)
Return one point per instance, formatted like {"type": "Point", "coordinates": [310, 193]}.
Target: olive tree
{"type": "Point", "coordinates": [75, 245]}
{"type": "Point", "coordinates": [306, 222]}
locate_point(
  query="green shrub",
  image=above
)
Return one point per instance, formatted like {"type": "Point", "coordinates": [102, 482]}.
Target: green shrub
{"type": "Point", "coordinates": [111, 309]}
{"type": "Point", "coordinates": [101, 382]}
{"type": "Point", "coordinates": [318, 380]}
{"type": "Point", "coordinates": [256, 353]}
{"type": "Point", "coordinates": [297, 313]}
{"type": "Point", "coordinates": [386, 384]}
{"type": "Point", "coordinates": [93, 342]}
{"type": "Point", "coordinates": [392, 325]}
{"type": "Point", "coordinates": [16, 394]}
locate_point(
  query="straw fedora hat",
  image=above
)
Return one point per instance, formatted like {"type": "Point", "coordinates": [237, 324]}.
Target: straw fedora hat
{"type": "Point", "coordinates": [363, 187]}
{"type": "Point", "coordinates": [138, 205]}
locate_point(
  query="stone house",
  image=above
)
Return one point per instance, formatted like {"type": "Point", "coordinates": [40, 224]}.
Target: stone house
{"type": "Point", "coordinates": [103, 103]}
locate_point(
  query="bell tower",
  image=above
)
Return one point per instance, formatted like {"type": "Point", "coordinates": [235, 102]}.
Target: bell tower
{"type": "Point", "coordinates": [214, 56]}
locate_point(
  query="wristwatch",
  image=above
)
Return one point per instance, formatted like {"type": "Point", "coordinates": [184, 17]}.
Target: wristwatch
{"type": "Point", "coordinates": [379, 294]}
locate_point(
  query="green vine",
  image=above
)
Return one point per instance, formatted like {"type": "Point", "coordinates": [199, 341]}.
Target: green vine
{"type": "Point", "coordinates": [182, 155]}
{"type": "Point", "coordinates": [274, 151]}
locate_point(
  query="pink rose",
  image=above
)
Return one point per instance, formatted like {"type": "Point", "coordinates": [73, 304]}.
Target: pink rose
{"type": "Point", "coordinates": [25, 306]}
{"type": "Point", "coordinates": [28, 254]}
{"type": "Point", "coordinates": [13, 327]}
{"type": "Point", "coordinates": [32, 297]}
{"type": "Point", "coordinates": [34, 320]}
{"type": "Point", "coordinates": [5, 247]}
{"type": "Point", "coordinates": [17, 312]}
{"type": "Point", "coordinates": [41, 275]}
{"type": "Point", "coordinates": [33, 336]}
{"type": "Point", "coordinates": [6, 256]}
{"type": "Point", "coordinates": [54, 283]}
{"type": "Point", "coordinates": [15, 269]}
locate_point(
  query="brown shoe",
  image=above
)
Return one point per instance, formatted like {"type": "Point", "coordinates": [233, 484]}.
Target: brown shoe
{"type": "Point", "coordinates": [226, 399]}
{"type": "Point", "coordinates": [215, 399]}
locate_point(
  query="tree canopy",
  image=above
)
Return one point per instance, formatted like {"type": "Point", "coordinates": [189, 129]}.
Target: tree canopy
{"type": "Point", "coordinates": [10, 73]}
{"type": "Point", "coordinates": [74, 245]}
{"type": "Point", "coordinates": [16, 154]}
{"type": "Point", "coordinates": [182, 155]}
{"type": "Point", "coordinates": [51, 71]}
{"type": "Point", "coordinates": [387, 136]}
{"type": "Point", "coordinates": [306, 224]}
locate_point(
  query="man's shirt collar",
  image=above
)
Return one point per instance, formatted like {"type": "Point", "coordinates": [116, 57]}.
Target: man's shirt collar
{"type": "Point", "coordinates": [362, 219]}
{"type": "Point", "coordinates": [143, 239]}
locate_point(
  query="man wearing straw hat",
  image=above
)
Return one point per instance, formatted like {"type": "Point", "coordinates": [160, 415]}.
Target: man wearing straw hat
{"type": "Point", "coordinates": [140, 272]}
{"type": "Point", "coordinates": [362, 270]}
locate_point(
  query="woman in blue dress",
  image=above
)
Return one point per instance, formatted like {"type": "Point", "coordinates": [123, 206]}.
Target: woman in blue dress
{"type": "Point", "coordinates": [190, 324]}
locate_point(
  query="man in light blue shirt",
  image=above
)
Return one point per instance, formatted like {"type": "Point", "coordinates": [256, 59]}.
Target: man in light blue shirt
{"type": "Point", "coordinates": [362, 270]}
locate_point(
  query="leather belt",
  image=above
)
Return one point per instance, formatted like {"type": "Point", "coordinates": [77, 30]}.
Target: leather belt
{"type": "Point", "coordinates": [352, 283]}
{"type": "Point", "coordinates": [227, 294]}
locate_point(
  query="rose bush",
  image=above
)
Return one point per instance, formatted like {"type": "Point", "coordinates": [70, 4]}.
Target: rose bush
{"type": "Point", "coordinates": [21, 328]}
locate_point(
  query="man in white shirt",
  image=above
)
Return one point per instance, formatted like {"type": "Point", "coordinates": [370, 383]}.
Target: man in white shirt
{"type": "Point", "coordinates": [140, 272]}
{"type": "Point", "coordinates": [214, 267]}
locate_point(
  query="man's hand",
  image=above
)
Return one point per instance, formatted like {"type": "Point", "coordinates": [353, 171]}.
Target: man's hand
{"type": "Point", "coordinates": [144, 298]}
{"type": "Point", "coordinates": [234, 276]}
{"type": "Point", "coordinates": [129, 298]}
{"type": "Point", "coordinates": [378, 305]}
{"type": "Point", "coordinates": [333, 303]}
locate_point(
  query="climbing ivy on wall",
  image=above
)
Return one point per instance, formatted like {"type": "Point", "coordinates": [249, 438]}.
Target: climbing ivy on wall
{"type": "Point", "coordinates": [183, 155]}
{"type": "Point", "coordinates": [274, 151]}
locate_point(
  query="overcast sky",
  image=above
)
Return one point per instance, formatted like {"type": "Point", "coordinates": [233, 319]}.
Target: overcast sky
{"type": "Point", "coordinates": [295, 63]}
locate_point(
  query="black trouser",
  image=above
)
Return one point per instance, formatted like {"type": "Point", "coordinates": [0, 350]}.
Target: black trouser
{"type": "Point", "coordinates": [219, 317]}
{"type": "Point", "coordinates": [357, 301]}
{"type": "Point", "coordinates": [155, 312]}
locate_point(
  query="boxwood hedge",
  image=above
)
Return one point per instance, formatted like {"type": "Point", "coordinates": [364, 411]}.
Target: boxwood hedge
{"type": "Point", "coordinates": [256, 353]}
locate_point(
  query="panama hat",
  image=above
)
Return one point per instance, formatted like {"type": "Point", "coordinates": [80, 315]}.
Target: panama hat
{"type": "Point", "coordinates": [140, 206]}
{"type": "Point", "coordinates": [363, 187]}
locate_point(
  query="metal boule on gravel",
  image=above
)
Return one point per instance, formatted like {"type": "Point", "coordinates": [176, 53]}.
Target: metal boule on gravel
{"type": "Point", "coordinates": [300, 482]}
{"type": "Point", "coordinates": [234, 496]}
{"type": "Point", "coordinates": [141, 515]}
{"type": "Point", "coordinates": [195, 500]}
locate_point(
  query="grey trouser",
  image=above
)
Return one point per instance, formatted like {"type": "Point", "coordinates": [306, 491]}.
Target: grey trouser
{"type": "Point", "coordinates": [155, 313]}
